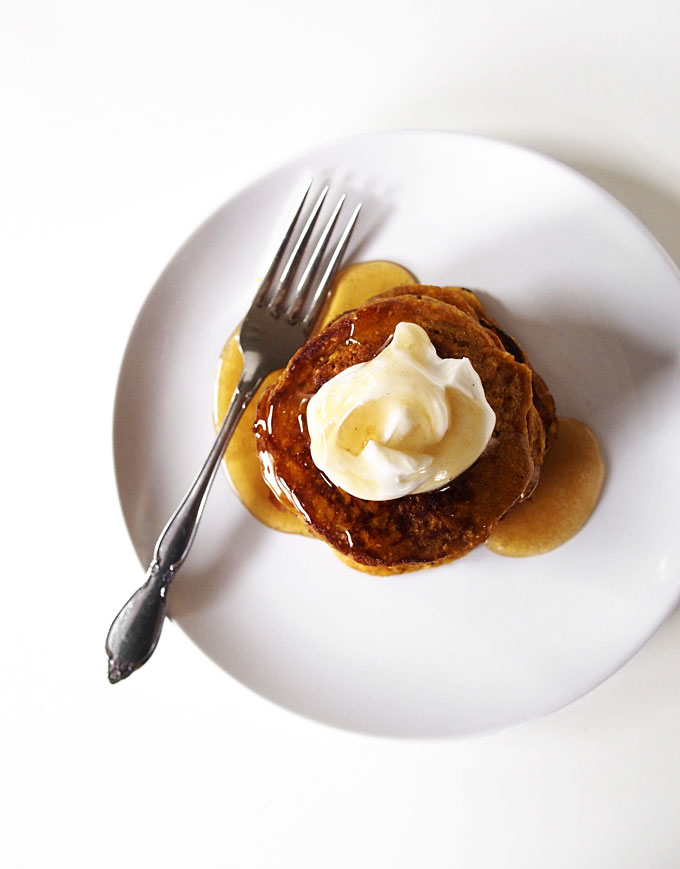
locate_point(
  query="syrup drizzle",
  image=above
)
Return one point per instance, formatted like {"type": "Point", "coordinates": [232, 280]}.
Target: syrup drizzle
{"type": "Point", "coordinates": [353, 286]}
{"type": "Point", "coordinates": [571, 477]}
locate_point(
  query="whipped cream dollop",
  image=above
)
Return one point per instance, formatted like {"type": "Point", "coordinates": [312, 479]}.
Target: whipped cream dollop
{"type": "Point", "coordinates": [404, 422]}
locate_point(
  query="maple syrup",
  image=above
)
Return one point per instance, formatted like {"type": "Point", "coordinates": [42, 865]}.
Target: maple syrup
{"type": "Point", "coordinates": [571, 477]}
{"type": "Point", "coordinates": [568, 490]}
{"type": "Point", "coordinates": [353, 286]}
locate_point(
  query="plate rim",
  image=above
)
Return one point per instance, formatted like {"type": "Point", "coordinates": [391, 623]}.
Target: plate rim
{"type": "Point", "coordinates": [266, 177]}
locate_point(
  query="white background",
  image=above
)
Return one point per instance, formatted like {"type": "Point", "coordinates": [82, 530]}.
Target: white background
{"type": "Point", "coordinates": [122, 127]}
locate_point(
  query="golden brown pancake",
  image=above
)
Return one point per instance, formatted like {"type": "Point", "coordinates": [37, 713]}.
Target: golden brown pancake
{"type": "Point", "coordinates": [423, 529]}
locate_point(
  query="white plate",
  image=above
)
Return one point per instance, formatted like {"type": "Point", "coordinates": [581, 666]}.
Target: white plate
{"type": "Point", "coordinates": [485, 642]}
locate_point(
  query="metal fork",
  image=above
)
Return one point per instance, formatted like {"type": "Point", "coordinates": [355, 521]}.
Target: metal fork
{"type": "Point", "coordinates": [277, 324]}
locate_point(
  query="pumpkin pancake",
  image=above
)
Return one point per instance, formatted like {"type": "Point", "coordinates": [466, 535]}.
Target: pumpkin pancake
{"type": "Point", "coordinates": [429, 528]}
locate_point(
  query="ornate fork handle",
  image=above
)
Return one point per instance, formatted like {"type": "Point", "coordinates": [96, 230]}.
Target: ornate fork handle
{"type": "Point", "coordinates": [278, 322]}
{"type": "Point", "coordinates": [135, 631]}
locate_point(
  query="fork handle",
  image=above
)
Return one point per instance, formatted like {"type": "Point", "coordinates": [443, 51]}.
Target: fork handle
{"type": "Point", "coordinates": [176, 538]}
{"type": "Point", "coordinates": [135, 631]}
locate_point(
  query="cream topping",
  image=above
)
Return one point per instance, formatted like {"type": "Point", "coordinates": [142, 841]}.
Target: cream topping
{"type": "Point", "coordinates": [404, 422]}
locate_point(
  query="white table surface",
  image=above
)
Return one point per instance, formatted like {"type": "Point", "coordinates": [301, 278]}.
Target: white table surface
{"type": "Point", "coordinates": [123, 126]}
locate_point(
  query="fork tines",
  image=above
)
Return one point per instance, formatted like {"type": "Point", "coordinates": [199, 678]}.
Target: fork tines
{"type": "Point", "coordinates": [277, 295]}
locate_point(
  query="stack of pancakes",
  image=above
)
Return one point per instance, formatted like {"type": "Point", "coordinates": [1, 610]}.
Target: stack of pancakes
{"type": "Point", "coordinates": [424, 529]}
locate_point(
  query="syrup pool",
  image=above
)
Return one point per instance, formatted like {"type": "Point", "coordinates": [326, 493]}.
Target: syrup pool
{"type": "Point", "coordinates": [571, 478]}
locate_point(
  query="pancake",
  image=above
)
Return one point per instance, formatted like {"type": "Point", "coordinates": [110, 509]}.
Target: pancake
{"type": "Point", "coordinates": [428, 528]}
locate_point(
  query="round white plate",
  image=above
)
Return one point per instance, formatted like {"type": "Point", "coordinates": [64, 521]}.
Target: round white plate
{"type": "Point", "coordinates": [488, 641]}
